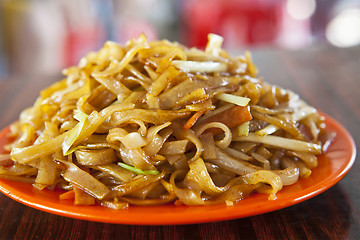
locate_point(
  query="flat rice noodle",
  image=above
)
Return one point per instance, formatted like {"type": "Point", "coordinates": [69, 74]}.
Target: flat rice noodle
{"type": "Point", "coordinates": [164, 199]}
{"type": "Point", "coordinates": [84, 180]}
{"type": "Point", "coordinates": [25, 179]}
{"type": "Point", "coordinates": [154, 146]}
{"type": "Point", "coordinates": [79, 88]}
{"type": "Point", "coordinates": [199, 174]}
{"type": "Point", "coordinates": [171, 97]}
{"type": "Point", "coordinates": [223, 143]}
{"type": "Point", "coordinates": [237, 154]}
{"type": "Point", "coordinates": [102, 116]}
{"type": "Point", "coordinates": [47, 172]}
{"type": "Point", "coordinates": [304, 171]}
{"type": "Point", "coordinates": [148, 116]}
{"type": "Point", "coordinates": [209, 146]}
{"type": "Point", "coordinates": [314, 130]}
{"type": "Point", "coordinates": [136, 157]}
{"type": "Point", "coordinates": [152, 101]}
{"type": "Point", "coordinates": [265, 163]}
{"type": "Point", "coordinates": [145, 191]}
{"type": "Point", "coordinates": [132, 82]}
{"type": "Point", "coordinates": [138, 74]}
{"type": "Point", "coordinates": [154, 130]}
{"type": "Point", "coordinates": [162, 50]}
{"type": "Point", "coordinates": [234, 193]}
{"type": "Point", "coordinates": [232, 164]}
{"type": "Point", "coordinates": [95, 156]}
{"type": "Point", "coordinates": [27, 138]}
{"type": "Point", "coordinates": [286, 162]}
{"type": "Point", "coordinates": [18, 170]}
{"type": "Point", "coordinates": [174, 147]}
{"type": "Point", "coordinates": [288, 175]}
{"type": "Point", "coordinates": [281, 142]}
{"type": "Point", "coordinates": [165, 78]}
{"type": "Point", "coordinates": [309, 158]}
{"type": "Point", "coordinates": [101, 97]}
{"type": "Point", "coordinates": [190, 135]}
{"type": "Point", "coordinates": [281, 123]}
{"type": "Point", "coordinates": [47, 92]}
{"type": "Point", "coordinates": [187, 196]}
{"type": "Point", "coordinates": [136, 184]}
{"type": "Point", "coordinates": [153, 75]}
{"type": "Point", "coordinates": [27, 154]}
{"type": "Point", "coordinates": [117, 66]}
{"type": "Point", "coordinates": [116, 205]}
{"type": "Point", "coordinates": [302, 113]}
{"type": "Point", "coordinates": [201, 106]}
{"type": "Point", "coordinates": [132, 140]}
{"type": "Point", "coordinates": [115, 86]}
{"type": "Point", "coordinates": [269, 111]}
{"type": "Point", "coordinates": [198, 95]}
{"type": "Point", "coordinates": [253, 90]}
{"type": "Point", "coordinates": [82, 90]}
{"type": "Point", "coordinates": [190, 197]}
{"type": "Point", "coordinates": [115, 170]}
{"type": "Point", "coordinates": [167, 59]}
{"type": "Point", "coordinates": [267, 177]}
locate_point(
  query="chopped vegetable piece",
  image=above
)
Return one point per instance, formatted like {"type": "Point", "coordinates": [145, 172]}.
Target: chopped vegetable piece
{"type": "Point", "coordinates": [137, 170]}
{"type": "Point", "coordinates": [231, 117]}
{"type": "Point", "coordinates": [75, 132]}
{"type": "Point", "coordinates": [243, 129]}
{"type": "Point", "coordinates": [192, 120]}
{"type": "Point", "coordinates": [69, 195]}
{"type": "Point", "coordinates": [241, 101]}
{"type": "Point", "coordinates": [192, 66]}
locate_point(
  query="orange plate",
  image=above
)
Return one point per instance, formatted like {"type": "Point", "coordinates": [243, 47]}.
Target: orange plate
{"type": "Point", "coordinates": [332, 168]}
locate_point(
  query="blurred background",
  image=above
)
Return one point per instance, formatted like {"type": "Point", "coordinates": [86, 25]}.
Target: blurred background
{"type": "Point", "coordinates": [43, 37]}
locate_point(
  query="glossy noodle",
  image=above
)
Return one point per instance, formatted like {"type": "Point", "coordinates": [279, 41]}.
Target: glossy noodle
{"type": "Point", "coordinates": [152, 123]}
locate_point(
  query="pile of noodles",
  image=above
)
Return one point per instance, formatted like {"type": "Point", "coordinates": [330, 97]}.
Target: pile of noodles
{"type": "Point", "coordinates": [152, 123]}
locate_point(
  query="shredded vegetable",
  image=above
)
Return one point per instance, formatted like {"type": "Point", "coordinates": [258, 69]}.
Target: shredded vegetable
{"type": "Point", "coordinates": [75, 132]}
{"type": "Point", "coordinates": [137, 170]}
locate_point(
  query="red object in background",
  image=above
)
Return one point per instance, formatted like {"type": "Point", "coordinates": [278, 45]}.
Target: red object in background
{"type": "Point", "coordinates": [240, 22]}
{"type": "Point", "coordinates": [80, 41]}
{"type": "Point", "coordinates": [132, 28]}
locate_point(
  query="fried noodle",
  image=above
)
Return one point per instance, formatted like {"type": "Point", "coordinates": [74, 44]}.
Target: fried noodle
{"type": "Point", "coordinates": [152, 123]}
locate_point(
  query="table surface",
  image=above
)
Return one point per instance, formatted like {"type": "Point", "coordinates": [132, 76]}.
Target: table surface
{"type": "Point", "coordinates": [326, 77]}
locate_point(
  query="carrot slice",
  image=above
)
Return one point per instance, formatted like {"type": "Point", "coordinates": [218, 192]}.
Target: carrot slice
{"type": "Point", "coordinates": [69, 195]}
{"type": "Point", "coordinates": [82, 198]}
{"type": "Point", "coordinates": [192, 120]}
{"type": "Point", "coordinates": [232, 117]}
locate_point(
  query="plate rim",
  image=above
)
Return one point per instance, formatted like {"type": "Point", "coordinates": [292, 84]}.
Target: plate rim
{"type": "Point", "coordinates": [174, 215]}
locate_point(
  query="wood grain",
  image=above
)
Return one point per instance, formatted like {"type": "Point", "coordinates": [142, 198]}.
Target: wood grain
{"type": "Point", "coordinates": [326, 77]}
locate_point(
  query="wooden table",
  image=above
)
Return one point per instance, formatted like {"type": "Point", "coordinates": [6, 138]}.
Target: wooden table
{"type": "Point", "coordinates": [327, 78]}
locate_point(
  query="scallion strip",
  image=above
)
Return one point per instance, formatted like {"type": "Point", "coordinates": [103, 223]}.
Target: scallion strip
{"type": "Point", "coordinates": [137, 170]}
